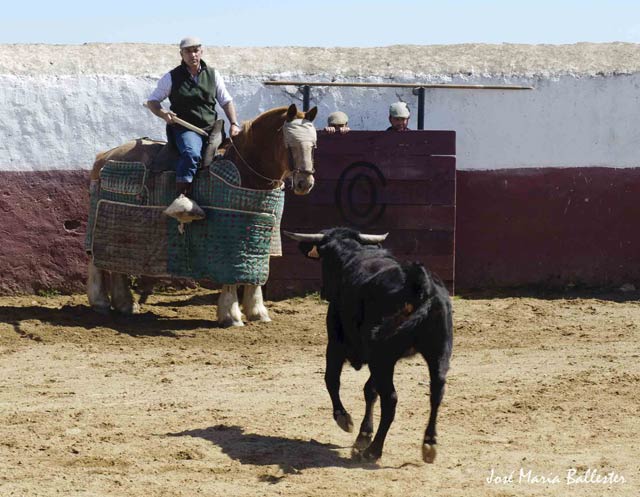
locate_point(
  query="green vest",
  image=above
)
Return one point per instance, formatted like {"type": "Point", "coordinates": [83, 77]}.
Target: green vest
{"type": "Point", "coordinates": [191, 101]}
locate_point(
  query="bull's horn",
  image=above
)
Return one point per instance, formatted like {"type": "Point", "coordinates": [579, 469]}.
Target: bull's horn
{"type": "Point", "coordinates": [373, 238]}
{"type": "Point", "coordinates": [305, 237]}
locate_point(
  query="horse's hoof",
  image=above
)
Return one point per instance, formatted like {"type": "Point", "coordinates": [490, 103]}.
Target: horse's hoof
{"type": "Point", "coordinates": [228, 323]}
{"type": "Point", "coordinates": [344, 421]}
{"type": "Point", "coordinates": [428, 453]}
{"type": "Point", "coordinates": [101, 309]}
{"type": "Point", "coordinates": [263, 318]}
{"type": "Point", "coordinates": [363, 441]}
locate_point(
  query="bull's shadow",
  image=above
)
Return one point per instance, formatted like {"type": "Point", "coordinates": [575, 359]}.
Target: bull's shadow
{"type": "Point", "coordinates": [74, 316]}
{"type": "Point", "coordinates": [291, 455]}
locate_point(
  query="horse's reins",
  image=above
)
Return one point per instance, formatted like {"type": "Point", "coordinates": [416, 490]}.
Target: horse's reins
{"type": "Point", "coordinates": [272, 181]}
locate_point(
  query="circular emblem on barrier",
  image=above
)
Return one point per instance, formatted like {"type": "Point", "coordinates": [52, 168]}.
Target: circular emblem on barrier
{"type": "Point", "coordinates": [358, 192]}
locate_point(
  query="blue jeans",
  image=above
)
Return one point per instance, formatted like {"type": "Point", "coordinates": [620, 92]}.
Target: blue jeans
{"type": "Point", "coordinates": [189, 145]}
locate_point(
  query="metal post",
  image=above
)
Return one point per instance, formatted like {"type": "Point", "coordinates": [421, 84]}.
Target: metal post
{"type": "Point", "coordinates": [420, 108]}
{"type": "Point", "coordinates": [306, 96]}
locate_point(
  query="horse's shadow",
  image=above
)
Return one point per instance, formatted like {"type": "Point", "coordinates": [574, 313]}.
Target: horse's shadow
{"type": "Point", "coordinates": [74, 316]}
{"type": "Point", "coordinates": [291, 455]}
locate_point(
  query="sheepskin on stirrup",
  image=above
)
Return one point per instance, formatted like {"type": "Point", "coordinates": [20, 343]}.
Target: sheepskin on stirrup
{"type": "Point", "coordinates": [184, 210]}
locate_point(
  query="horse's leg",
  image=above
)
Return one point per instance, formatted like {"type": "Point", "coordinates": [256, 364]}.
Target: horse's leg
{"type": "Point", "coordinates": [97, 289]}
{"type": "Point", "coordinates": [145, 288]}
{"type": "Point", "coordinates": [121, 295]}
{"type": "Point", "coordinates": [228, 307]}
{"type": "Point", "coordinates": [253, 304]}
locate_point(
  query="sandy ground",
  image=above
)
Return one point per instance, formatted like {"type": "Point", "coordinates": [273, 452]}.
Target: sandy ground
{"type": "Point", "coordinates": [167, 404]}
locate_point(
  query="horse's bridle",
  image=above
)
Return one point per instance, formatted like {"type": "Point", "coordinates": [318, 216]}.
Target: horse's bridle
{"type": "Point", "coordinates": [292, 170]}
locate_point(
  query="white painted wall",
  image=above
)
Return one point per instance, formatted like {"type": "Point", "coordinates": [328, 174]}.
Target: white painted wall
{"type": "Point", "coordinates": [61, 121]}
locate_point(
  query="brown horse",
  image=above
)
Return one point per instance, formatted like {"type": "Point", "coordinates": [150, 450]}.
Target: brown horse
{"type": "Point", "coordinates": [277, 144]}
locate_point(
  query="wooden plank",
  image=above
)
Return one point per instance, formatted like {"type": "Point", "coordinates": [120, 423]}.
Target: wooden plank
{"type": "Point", "coordinates": [403, 243]}
{"type": "Point", "coordinates": [297, 266]}
{"type": "Point", "coordinates": [285, 288]}
{"type": "Point", "coordinates": [332, 165]}
{"type": "Point", "coordinates": [393, 217]}
{"type": "Point", "coordinates": [372, 143]}
{"type": "Point", "coordinates": [364, 191]}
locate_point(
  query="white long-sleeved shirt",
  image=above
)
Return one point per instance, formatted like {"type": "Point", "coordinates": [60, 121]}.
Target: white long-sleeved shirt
{"type": "Point", "coordinates": [163, 89]}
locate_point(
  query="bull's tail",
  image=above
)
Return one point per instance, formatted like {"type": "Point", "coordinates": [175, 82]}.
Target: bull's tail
{"type": "Point", "coordinates": [403, 323]}
{"type": "Point", "coordinates": [419, 294]}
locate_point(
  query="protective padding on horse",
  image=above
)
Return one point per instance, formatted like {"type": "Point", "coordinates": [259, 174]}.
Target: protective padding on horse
{"type": "Point", "coordinates": [128, 233]}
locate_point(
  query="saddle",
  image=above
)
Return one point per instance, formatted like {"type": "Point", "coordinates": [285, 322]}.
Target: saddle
{"type": "Point", "coordinates": [168, 155]}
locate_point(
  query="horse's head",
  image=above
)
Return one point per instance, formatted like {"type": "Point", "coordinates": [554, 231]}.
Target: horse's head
{"type": "Point", "coordinates": [300, 141]}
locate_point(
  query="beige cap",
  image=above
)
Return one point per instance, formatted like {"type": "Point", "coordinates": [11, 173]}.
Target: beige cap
{"type": "Point", "coordinates": [399, 109]}
{"type": "Point", "coordinates": [189, 41]}
{"type": "Point", "coordinates": [337, 118]}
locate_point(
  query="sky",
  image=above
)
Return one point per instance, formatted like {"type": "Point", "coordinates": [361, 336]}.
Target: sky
{"type": "Point", "coordinates": [320, 23]}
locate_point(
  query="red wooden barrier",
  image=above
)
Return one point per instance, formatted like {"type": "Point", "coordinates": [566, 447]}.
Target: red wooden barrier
{"type": "Point", "coordinates": [375, 181]}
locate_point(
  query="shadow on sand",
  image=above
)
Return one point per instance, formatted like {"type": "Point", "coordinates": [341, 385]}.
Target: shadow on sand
{"type": "Point", "coordinates": [74, 316]}
{"type": "Point", "coordinates": [291, 455]}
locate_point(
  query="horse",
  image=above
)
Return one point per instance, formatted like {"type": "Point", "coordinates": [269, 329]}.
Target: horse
{"type": "Point", "coordinates": [276, 145]}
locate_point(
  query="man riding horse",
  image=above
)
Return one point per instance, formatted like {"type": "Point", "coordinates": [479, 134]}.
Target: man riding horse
{"type": "Point", "coordinates": [194, 89]}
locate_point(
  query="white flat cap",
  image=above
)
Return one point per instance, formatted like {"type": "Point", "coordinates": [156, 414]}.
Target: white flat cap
{"type": "Point", "coordinates": [190, 41]}
{"type": "Point", "coordinates": [337, 118]}
{"type": "Point", "coordinates": [399, 109]}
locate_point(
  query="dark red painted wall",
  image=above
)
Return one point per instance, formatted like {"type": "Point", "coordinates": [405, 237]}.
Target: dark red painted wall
{"type": "Point", "coordinates": [549, 227]}
{"type": "Point", "coordinates": [514, 227]}
{"type": "Point", "coordinates": [43, 222]}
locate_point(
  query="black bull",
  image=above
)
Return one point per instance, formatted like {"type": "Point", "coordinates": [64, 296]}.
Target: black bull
{"type": "Point", "coordinates": [380, 310]}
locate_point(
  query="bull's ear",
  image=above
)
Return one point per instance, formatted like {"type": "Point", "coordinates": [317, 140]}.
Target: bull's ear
{"type": "Point", "coordinates": [311, 115]}
{"type": "Point", "coordinates": [292, 112]}
{"type": "Point", "coordinates": [309, 250]}
{"type": "Point", "coordinates": [313, 253]}
{"type": "Point", "coordinates": [372, 239]}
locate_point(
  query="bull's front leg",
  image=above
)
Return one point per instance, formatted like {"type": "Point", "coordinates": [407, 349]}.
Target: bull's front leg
{"type": "Point", "coordinates": [335, 359]}
{"type": "Point", "coordinates": [228, 307]}
{"type": "Point", "coordinates": [253, 304]}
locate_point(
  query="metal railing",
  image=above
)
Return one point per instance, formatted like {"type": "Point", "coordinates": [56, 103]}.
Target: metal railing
{"type": "Point", "coordinates": [418, 89]}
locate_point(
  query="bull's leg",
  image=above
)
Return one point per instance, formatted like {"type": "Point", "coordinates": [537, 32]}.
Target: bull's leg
{"type": "Point", "coordinates": [121, 295]}
{"type": "Point", "coordinates": [437, 352]}
{"type": "Point", "coordinates": [228, 307]}
{"type": "Point", "coordinates": [436, 393]}
{"type": "Point", "coordinates": [366, 428]}
{"type": "Point", "coordinates": [335, 359]}
{"type": "Point", "coordinates": [253, 304]}
{"type": "Point", "coordinates": [383, 377]}
{"type": "Point", "coordinates": [97, 289]}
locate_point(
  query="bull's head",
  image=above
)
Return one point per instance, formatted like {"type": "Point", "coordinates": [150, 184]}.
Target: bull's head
{"type": "Point", "coordinates": [310, 242]}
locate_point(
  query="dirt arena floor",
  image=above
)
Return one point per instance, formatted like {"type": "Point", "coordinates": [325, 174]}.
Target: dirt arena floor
{"type": "Point", "coordinates": [542, 400]}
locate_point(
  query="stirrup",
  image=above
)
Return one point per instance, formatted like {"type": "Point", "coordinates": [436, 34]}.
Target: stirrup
{"type": "Point", "coordinates": [184, 210]}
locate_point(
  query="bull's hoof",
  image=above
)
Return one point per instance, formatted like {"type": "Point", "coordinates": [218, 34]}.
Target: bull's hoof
{"type": "Point", "coordinates": [344, 421]}
{"type": "Point", "coordinates": [429, 453]}
{"type": "Point", "coordinates": [366, 456]}
{"type": "Point", "coordinates": [363, 441]}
